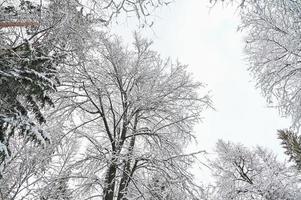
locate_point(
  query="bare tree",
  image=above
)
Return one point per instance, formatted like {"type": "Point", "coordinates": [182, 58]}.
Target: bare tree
{"type": "Point", "coordinates": [136, 112]}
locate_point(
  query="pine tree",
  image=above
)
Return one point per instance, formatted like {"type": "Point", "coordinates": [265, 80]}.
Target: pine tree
{"type": "Point", "coordinates": [27, 77]}
{"type": "Point", "coordinates": [291, 142]}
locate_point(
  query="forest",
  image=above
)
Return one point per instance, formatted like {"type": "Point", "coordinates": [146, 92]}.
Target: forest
{"type": "Point", "coordinates": [86, 114]}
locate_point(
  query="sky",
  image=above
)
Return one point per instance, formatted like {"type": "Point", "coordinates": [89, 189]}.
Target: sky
{"type": "Point", "coordinates": [208, 41]}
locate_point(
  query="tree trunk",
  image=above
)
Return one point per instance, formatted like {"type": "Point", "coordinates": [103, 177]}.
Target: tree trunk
{"type": "Point", "coordinates": [124, 180]}
{"type": "Point", "coordinates": [127, 172]}
{"type": "Point", "coordinates": [108, 193]}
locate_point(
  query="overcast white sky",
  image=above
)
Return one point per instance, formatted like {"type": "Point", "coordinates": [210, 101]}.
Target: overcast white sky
{"type": "Point", "coordinates": [208, 41]}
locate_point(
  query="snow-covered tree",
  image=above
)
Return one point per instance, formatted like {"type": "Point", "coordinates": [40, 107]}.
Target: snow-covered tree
{"type": "Point", "coordinates": [291, 142]}
{"type": "Point", "coordinates": [29, 65]}
{"type": "Point", "coordinates": [137, 112]}
{"type": "Point", "coordinates": [162, 187]}
{"type": "Point", "coordinates": [273, 50]}
{"type": "Point", "coordinates": [35, 172]}
{"type": "Point", "coordinates": [37, 39]}
{"type": "Point", "coordinates": [243, 174]}
{"type": "Point", "coordinates": [16, 13]}
{"type": "Point", "coordinates": [27, 77]}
